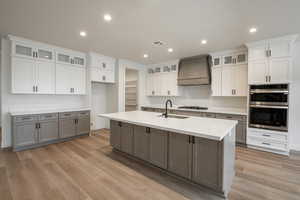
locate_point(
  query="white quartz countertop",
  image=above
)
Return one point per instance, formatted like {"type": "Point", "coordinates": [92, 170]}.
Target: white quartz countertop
{"type": "Point", "coordinates": [42, 111]}
{"type": "Point", "coordinates": [210, 128]}
{"type": "Point", "coordinates": [221, 110]}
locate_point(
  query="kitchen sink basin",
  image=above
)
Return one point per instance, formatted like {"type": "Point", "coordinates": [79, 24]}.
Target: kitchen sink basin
{"type": "Point", "coordinates": [174, 116]}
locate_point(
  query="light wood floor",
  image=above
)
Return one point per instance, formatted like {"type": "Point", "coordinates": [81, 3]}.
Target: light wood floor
{"type": "Point", "coordinates": [86, 168]}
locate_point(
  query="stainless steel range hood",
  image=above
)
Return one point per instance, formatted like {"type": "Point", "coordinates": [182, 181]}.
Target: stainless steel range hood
{"type": "Point", "coordinates": [194, 71]}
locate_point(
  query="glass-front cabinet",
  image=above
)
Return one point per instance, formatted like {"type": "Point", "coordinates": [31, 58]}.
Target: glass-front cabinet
{"type": "Point", "coordinates": [23, 50]}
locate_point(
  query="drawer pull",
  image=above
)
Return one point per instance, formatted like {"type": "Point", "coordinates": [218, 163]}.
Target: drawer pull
{"type": "Point", "coordinates": [147, 130]}
{"type": "Point", "coordinates": [67, 114]}
{"type": "Point", "coordinates": [265, 143]}
{"type": "Point", "coordinates": [26, 118]}
{"type": "Point", "coordinates": [266, 135]}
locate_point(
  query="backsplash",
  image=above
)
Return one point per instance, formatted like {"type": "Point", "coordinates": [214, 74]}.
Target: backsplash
{"type": "Point", "coordinates": [200, 96]}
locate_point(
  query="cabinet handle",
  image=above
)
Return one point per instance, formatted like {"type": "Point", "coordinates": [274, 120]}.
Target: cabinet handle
{"type": "Point", "coordinates": [120, 124]}
{"type": "Point", "coordinates": [189, 139]}
{"type": "Point", "coordinates": [169, 92]}
{"type": "Point", "coordinates": [103, 78]}
{"type": "Point", "coordinates": [193, 137]}
{"type": "Point", "coordinates": [36, 88]}
{"type": "Point", "coordinates": [266, 135]}
{"type": "Point", "coordinates": [270, 52]}
{"type": "Point", "coordinates": [147, 130]}
{"type": "Point", "coordinates": [269, 78]}
{"type": "Point", "coordinates": [266, 78]}
{"type": "Point", "coordinates": [265, 143]}
{"type": "Point", "coordinates": [33, 88]}
{"type": "Point", "coordinates": [36, 126]}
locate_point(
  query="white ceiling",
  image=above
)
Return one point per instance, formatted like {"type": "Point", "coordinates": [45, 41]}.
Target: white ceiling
{"type": "Point", "coordinates": [136, 24]}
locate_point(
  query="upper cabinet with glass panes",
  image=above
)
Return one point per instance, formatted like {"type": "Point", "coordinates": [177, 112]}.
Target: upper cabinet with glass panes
{"type": "Point", "coordinates": [235, 59]}
{"type": "Point", "coordinates": [65, 57]}
{"type": "Point", "coordinates": [31, 51]}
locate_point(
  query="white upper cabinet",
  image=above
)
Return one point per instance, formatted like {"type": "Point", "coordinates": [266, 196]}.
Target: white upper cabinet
{"type": "Point", "coordinates": [102, 68]}
{"type": "Point", "coordinates": [270, 61]}
{"type": "Point", "coordinates": [229, 73]}
{"type": "Point", "coordinates": [33, 68]}
{"type": "Point", "coordinates": [161, 79]}
{"type": "Point", "coordinates": [43, 69]}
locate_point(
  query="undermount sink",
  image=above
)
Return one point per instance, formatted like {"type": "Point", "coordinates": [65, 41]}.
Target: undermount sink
{"type": "Point", "coordinates": [174, 116]}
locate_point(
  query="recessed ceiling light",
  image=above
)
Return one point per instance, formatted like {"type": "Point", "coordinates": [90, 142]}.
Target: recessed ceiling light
{"type": "Point", "coordinates": [146, 55]}
{"type": "Point", "coordinates": [107, 17]}
{"type": "Point", "coordinates": [253, 30]}
{"type": "Point", "coordinates": [82, 33]}
{"type": "Point", "coordinates": [170, 50]}
{"type": "Point", "coordinates": [203, 41]}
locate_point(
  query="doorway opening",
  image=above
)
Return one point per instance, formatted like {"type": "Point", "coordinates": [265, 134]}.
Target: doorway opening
{"type": "Point", "coordinates": [131, 89]}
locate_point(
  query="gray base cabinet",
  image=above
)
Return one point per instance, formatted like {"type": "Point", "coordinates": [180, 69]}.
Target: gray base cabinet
{"type": "Point", "coordinates": [31, 131]}
{"type": "Point", "coordinates": [25, 134]}
{"type": "Point", "coordinates": [67, 128]}
{"type": "Point", "coordinates": [180, 155]}
{"type": "Point", "coordinates": [115, 135]}
{"type": "Point", "coordinates": [127, 138]}
{"type": "Point", "coordinates": [151, 145]}
{"type": "Point", "coordinates": [48, 131]}
{"type": "Point", "coordinates": [141, 142]}
{"type": "Point", "coordinates": [207, 162]}
{"type": "Point", "coordinates": [158, 148]}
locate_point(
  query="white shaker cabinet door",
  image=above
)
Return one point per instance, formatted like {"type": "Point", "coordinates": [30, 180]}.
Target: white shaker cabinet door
{"type": "Point", "coordinates": [279, 70]}
{"type": "Point", "coordinates": [45, 77]}
{"type": "Point", "coordinates": [216, 84]}
{"type": "Point", "coordinates": [23, 75]}
{"type": "Point", "coordinates": [150, 85]}
{"type": "Point", "coordinates": [279, 48]}
{"type": "Point", "coordinates": [78, 80]}
{"type": "Point", "coordinates": [228, 80]}
{"type": "Point", "coordinates": [63, 79]}
{"type": "Point", "coordinates": [258, 72]}
{"type": "Point", "coordinates": [258, 52]}
{"type": "Point", "coordinates": [241, 85]}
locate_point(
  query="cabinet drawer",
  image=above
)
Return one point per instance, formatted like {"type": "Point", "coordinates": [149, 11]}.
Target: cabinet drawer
{"type": "Point", "coordinates": [266, 135]}
{"type": "Point", "coordinates": [209, 115]}
{"type": "Point", "coordinates": [25, 118]}
{"type": "Point", "coordinates": [50, 116]}
{"type": "Point", "coordinates": [233, 117]}
{"type": "Point", "coordinates": [83, 114]}
{"type": "Point", "coordinates": [265, 143]}
{"type": "Point", "coordinates": [65, 115]}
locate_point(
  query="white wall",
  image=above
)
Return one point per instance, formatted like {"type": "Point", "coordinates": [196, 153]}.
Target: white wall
{"type": "Point", "coordinates": [294, 109]}
{"type": "Point", "coordinates": [12, 102]}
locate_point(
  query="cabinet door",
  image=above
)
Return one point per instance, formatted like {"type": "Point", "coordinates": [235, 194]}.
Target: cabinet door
{"type": "Point", "coordinates": [258, 52]}
{"type": "Point", "coordinates": [241, 132]}
{"type": "Point", "coordinates": [67, 128]}
{"type": "Point", "coordinates": [180, 155]}
{"type": "Point", "coordinates": [150, 85]}
{"type": "Point", "coordinates": [63, 79]}
{"type": "Point", "coordinates": [23, 50]}
{"type": "Point", "coordinates": [45, 55]}
{"type": "Point", "coordinates": [45, 77]}
{"type": "Point", "coordinates": [207, 162]}
{"type": "Point", "coordinates": [141, 142]}
{"type": "Point", "coordinates": [172, 84]}
{"type": "Point", "coordinates": [115, 134]}
{"type": "Point", "coordinates": [127, 138]}
{"type": "Point", "coordinates": [228, 80]}
{"type": "Point", "coordinates": [48, 131]}
{"type": "Point", "coordinates": [258, 71]}
{"type": "Point", "coordinates": [25, 134]}
{"type": "Point", "coordinates": [63, 58]}
{"type": "Point", "coordinates": [83, 125]}
{"type": "Point", "coordinates": [241, 81]}
{"type": "Point", "coordinates": [77, 76]}
{"type": "Point", "coordinates": [216, 85]}
{"type": "Point", "coordinates": [279, 48]}
{"type": "Point", "coordinates": [279, 70]}
{"type": "Point", "coordinates": [23, 75]}
{"type": "Point", "coordinates": [157, 83]}
{"type": "Point", "coordinates": [158, 148]}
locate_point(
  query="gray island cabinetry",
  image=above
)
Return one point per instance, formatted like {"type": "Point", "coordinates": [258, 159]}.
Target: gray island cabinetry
{"type": "Point", "coordinates": [206, 160]}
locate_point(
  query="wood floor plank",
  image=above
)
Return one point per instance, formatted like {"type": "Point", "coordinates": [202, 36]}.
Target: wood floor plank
{"type": "Point", "coordinates": [88, 169]}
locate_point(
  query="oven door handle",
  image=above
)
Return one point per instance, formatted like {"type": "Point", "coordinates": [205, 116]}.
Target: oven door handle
{"type": "Point", "coordinates": [266, 106]}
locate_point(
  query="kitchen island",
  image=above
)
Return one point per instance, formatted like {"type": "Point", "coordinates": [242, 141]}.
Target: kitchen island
{"type": "Point", "coordinates": [197, 149]}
